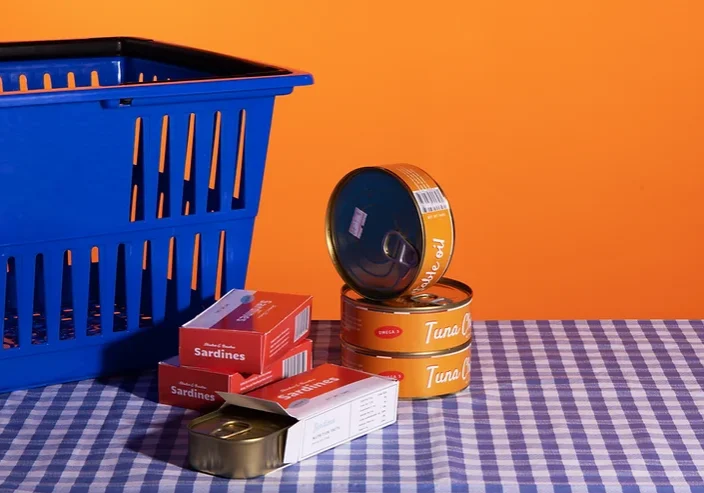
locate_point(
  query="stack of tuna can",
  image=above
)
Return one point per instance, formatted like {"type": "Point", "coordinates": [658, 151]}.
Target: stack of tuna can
{"type": "Point", "coordinates": [391, 236]}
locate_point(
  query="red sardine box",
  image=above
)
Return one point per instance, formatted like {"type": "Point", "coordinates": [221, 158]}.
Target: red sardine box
{"type": "Point", "coordinates": [245, 331]}
{"type": "Point", "coordinates": [195, 388]}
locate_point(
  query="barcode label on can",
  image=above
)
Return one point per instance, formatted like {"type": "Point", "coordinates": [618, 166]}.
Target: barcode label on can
{"type": "Point", "coordinates": [301, 324]}
{"type": "Point", "coordinates": [431, 200]}
{"type": "Point", "coordinates": [298, 363]}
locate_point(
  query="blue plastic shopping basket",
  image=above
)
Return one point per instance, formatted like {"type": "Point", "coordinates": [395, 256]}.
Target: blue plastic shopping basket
{"type": "Point", "coordinates": [130, 177]}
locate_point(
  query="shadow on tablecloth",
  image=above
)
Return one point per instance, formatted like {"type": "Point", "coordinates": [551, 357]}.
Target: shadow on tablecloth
{"type": "Point", "coordinates": [168, 443]}
{"type": "Point", "coordinates": [143, 385]}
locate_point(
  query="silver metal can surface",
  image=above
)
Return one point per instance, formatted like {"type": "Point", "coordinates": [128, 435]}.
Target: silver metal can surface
{"type": "Point", "coordinates": [237, 443]}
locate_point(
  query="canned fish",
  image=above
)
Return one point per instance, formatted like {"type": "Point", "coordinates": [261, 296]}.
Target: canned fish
{"type": "Point", "coordinates": [390, 231]}
{"type": "Point", "coordinates": [238, 443]}
{"type": "Point", "coordinates": [420, 375]}
{"type": "Point", "coordinates": [438, 319]}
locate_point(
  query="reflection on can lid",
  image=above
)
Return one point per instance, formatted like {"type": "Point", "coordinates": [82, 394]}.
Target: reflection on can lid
{"type": "Point", "coordinates": [239, 425]}
{"type": "Point", "coordinates": [376, 231]}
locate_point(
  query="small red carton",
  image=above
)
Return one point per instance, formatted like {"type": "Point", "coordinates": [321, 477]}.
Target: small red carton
{"type": "Point", "coordinates": [245, 331]}
{"type": "Point", "coordinates": [196, 388]}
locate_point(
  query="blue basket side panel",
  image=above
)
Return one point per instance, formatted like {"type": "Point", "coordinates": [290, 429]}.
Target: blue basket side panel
{"type": "Point", "coordinates": [209, 243]}
{"type": "Point", "coordinates": [159, 271]}
{"type": "Point", "coordinates": [133, 271]}
{"type": "Point", "coordinates": [238, 243]}
{"type": "Point", "coordinates": [231, 127]}
{"type": "Point", "coordinates": [177, 147]}
{"type": "Point", "coordinates": [80, 274]}
{"type": "Point", "coordinates": [258, 117]}
{"type": "Point", "coordinates": [105, 221]}
{"type": "Point", "coordinates": [59, 181]}
{"type": "Point", "coordinates": [138, 350]}
{"type": "Point", "coordinates": [203, 152]}
{"type": "Point", "coordinates": [107, 263]}
{"type": "Point", "coordinates": [24, 277]}
{"type": "Point", "coordinates": [84, 72]}
{"type": "Point", "coordinates": [103, 171]}
{"type": "Point", "coordinates": [183, 271]}
{"type": "Point", "coordinates": [3, 300]}
{"type": "Point", "coordinates": [56, 74]}
{"type": "Point", "coordinates": [137, 70]}
{"type": "Point", "coordinates": [151, 155]}
{"type": "Point", "coordinates": [54, 295]}
{"type": "Point", "coordinates": [159, 293]}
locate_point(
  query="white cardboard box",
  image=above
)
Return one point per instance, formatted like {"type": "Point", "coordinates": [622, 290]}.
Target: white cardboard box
{"type": "Point", "coordinates": [332, 404]}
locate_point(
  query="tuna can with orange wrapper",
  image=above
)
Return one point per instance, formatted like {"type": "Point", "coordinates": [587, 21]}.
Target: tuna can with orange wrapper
{"type": "Point", "coordinates": [390, 231]}
{"type": "Point", "coordinates": [438, 319]}
{"type": "Point", "coordinates": [420, 375]}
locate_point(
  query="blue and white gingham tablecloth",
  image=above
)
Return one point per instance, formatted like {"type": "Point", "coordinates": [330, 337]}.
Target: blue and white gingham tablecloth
{"type": "Point", "coordinates": [553, 406]}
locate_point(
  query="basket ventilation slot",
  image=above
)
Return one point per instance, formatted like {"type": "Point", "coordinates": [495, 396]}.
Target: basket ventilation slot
{"type": "Point", "coordinates": [83, 293]}
{"type": "Point", "coordinates": [37, 81]}
{"type": "Point", "coordinates": [185, 165]}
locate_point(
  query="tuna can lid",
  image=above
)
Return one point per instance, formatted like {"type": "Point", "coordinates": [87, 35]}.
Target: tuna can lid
{"type": "Point", "coordinates": [376, 233]}
{"type": "Point", "coordinates": [446, 295]}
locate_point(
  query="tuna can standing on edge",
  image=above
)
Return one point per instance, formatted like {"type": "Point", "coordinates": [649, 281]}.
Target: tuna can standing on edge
{"type": "Point", "coordinates": [438, 319]}
{"type": "Point", "coordinates": [390, 231]}
{"type": "Point", "coordinates": [420, 375]}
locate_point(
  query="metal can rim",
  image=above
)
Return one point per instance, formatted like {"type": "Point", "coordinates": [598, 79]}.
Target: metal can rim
{"type": "Point", "coordinates": [444, 281]}
{"type": "Point", "coordinates": [332, 250]}
{"type": "Point", "coordinates": [407, 355]}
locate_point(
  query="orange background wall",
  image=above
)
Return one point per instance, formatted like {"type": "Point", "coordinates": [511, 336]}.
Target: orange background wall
{"type": "Point", "coordinates": [569, 136]}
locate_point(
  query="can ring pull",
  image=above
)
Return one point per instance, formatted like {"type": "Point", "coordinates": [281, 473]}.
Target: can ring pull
{"type": "Point", "coordinates": [397, 248]}
{"type": "Point", "coordinates": [430, 299]}
{"type": "Point", "coordinates": [237, 428]}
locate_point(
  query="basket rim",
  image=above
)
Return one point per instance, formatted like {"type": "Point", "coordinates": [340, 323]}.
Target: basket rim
{"type": "Point", "coordinates": [218, 64]}
{"type": "Point", "coordinates": [217, 68]}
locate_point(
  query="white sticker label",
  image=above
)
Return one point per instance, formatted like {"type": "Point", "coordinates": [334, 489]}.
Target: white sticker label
{"type": "Point", "coordinates": [431, 200]}
{"type": "Point", "coordinates": [326, 430]}
{"type": "Point", "coordinates": [357, 224]}
{"type": "Point", "coordinates": [372, 411]}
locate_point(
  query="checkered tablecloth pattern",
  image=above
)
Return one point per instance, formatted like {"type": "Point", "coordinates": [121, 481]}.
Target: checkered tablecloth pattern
{"type": "Point", "coordinates": [552, 406]}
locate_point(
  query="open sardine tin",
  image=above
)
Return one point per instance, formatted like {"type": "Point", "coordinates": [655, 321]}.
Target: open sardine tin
{"type": "Point", "coordinates": [326, 407]}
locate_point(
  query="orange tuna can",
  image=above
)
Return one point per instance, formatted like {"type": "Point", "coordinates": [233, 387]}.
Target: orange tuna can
{"type": "Point", "coordinates": [420, 376]}
{"type": "Point", "coordinates": [438, 319]}
{"type": "Point", "coordinates": [390, 231]}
